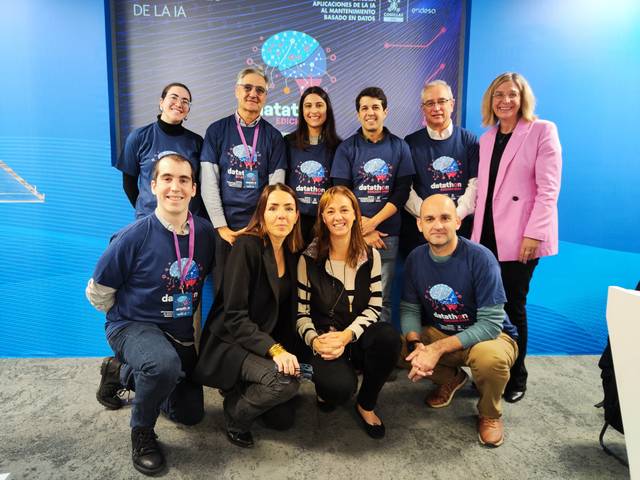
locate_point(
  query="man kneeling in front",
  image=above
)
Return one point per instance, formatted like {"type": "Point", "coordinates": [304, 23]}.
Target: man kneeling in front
{"type": "Point", "coordinates": [452, 315]}
{"type": "Point", "coordinates": [149, 281]}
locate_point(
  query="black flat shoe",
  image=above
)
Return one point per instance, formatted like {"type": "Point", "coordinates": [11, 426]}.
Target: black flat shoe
{"type": "Point", "coordinates": [513, 396]}
{"type": "Point", "coordinates": [324, 406]}
{"type": "Point", "coordinates": [374, 431]}
{"type": "Point", "coordinates": [240, 439]}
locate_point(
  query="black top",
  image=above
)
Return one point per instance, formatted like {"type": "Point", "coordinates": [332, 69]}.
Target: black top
{"type": "Point", "coordinates": [282, 332]}
{"type": "Point", "coordinates": [488, 235]}
{"type": "Point", "coordinates": [130, 182]}
{"type": "Point", "coordinates": [246, 312]}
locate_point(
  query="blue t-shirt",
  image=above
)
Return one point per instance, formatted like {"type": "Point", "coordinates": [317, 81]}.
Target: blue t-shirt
{"type": "Point", "coordinates": [308, 173]}
{"type": "Point", "coordinates": [372, 168]}
{"type": "Point", "coordinates": [142, 149]}
{"type": "Point", "coordinates": [243, 174]}
{"type": "Point", "coordinates": [443, 166]}
{"type": "Point", "coordinates": [452, 292]}
{"type": "Point", "coordinates": [141, 264]}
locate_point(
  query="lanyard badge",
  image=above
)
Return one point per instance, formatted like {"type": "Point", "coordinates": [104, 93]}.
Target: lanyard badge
{"type": "Point", "coordinates": [250, 179]}
{"type": "Point", "coordinates": [183, 301]}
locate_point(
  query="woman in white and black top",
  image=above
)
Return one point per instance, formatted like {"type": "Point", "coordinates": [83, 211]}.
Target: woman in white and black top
{"type": "Point", "coordinates": [339, 302]}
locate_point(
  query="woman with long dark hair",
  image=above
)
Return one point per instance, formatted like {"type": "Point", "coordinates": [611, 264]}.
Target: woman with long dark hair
{"type": "Point", "coordinates": [310, 150]}
{"type": "Point", "coordinates": [339, 304]}
{"type": "Point", "coordinates": [248, 341]}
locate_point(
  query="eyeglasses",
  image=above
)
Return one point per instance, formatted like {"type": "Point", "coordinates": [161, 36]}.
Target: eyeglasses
{"type": "Point", "coordinates": [248, 87]}
{"type": "Point", "coordinates": [173, 98]}
{"type": "Point", "coordinates": [441, 102]}
{"type": "Point", "coordinates": [502, 96]}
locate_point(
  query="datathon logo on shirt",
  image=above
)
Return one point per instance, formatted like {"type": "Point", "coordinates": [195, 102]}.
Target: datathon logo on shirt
{"type": "Point", "coordinates": [171, 278]}
{"type": "Point", "coordinates": [447, 305]}
{"type": "Point", "coordinates": [243, 166]}
{"type": "Point", "coordinates": [376, 174]}
{"type": "Point", "coordinates": [446, 174]}
{"type": "Point", "coordinates": [312, 181]}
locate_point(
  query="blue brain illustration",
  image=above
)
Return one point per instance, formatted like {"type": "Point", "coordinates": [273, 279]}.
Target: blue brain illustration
{"type": "Point", "coordinates": [245, 155]}
{"type": "Point", "coordinates": [443, 294]}
{"type": "Point", "coordinates": [446, 165]}
{"type": "Point", "coordinates": [192, 275]}
{"type": "Point", "coordinates": [377, 167]}
{"type": "Point", "coordinates": [295, 54]}
{"type": "Point", "coordinates": [314, 170]}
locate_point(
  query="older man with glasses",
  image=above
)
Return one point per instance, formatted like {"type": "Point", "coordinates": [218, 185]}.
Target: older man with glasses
{"type": "Point", "coordinates": [445, 159]}
{"type": "Point", "coordinates": [241, 154]}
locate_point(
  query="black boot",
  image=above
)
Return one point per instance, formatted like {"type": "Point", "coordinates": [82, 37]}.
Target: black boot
{"type": "Point", "coordinates": [110, 385]}
{"type": "Point", "coordinates": [145, 451]}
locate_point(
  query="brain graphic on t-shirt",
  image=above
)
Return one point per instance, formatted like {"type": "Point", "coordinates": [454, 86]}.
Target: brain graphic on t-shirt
{"type": "Point", "coordinates": [191, 278]}
{"type": "Point", "coordinates": [245, 155]}
{"type": "Point", "coordinates": [376, 167]}
{"type": "Point", "coordinates": [446, 165]}
{"type": "Point", "coordinates": [443, 294]}
{"type": "Point", "coordinates": [314, 170]}
{"type": "Point", "coordinates": [297, 55]}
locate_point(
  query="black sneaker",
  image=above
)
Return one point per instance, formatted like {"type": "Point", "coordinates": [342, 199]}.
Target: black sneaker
{"type": "Point", "coordinates": [109, 390]}
{"type": "Point", "coordinates": [145, 451]}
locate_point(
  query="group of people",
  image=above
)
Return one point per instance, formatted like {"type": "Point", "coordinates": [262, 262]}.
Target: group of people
{"type": "Point", "coordinates": [302, 235]}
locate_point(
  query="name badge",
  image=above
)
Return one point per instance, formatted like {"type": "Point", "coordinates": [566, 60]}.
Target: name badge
{"type": "Point", "coordinates": [182, 305]}
{"type": "Point", "coordinates": [250, 179]}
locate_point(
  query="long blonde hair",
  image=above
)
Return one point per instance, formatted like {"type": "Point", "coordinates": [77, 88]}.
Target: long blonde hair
{"type": "Point", "coordinates": [527, 100]}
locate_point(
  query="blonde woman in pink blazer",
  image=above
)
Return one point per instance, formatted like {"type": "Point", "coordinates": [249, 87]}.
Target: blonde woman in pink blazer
{"type": "Point", "coordinates": [518, 185]}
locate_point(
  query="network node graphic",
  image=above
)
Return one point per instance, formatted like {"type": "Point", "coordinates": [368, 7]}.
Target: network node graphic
{"type": "Point", "coordinates": [298, 56]}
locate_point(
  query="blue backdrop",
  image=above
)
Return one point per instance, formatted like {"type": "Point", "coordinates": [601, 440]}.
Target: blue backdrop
{"type": "Point", "coordinates": [580, 59]}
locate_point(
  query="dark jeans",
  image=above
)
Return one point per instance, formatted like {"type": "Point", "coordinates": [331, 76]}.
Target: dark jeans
{"type": "Point", "coordinates": [158, 370]}
{"type": "Point", "coordinates": [260, 389]}
{"type": "Point", "coordinates": [516, 277]}
{"type": "Point", "coordinates": [375, 353]}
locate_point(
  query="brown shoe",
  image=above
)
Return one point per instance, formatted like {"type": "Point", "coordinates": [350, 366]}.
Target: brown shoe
{"type": "Point", "coordinates": [443, 395]}
{"type": "Point", "coordinates": [490, 431]}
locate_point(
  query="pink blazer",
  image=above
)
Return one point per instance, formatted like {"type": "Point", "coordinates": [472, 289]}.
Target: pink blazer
{"type": "Point", "coordinates": [525, 198]}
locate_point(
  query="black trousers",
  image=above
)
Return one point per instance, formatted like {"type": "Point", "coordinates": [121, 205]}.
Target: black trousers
{"type": "Point", "coordinates": [375, 353]}
{"type": "Point", "coordinates": [516, 278]}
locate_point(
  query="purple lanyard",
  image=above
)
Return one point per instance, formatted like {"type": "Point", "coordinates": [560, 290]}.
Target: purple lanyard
{"type": "Point", "coordinates": [192, 242]}
{"type": "Point", "coordinates": [250, 154]}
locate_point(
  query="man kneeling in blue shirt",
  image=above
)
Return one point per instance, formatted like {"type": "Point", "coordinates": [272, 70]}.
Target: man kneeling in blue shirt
{"type": "Point", "coordinates": [452, 315]}
{"type": "Point", "coordinates": [149, 281]}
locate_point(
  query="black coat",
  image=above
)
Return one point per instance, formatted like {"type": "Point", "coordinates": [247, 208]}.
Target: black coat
{"type": "Point", "coordinates": [245, 313]}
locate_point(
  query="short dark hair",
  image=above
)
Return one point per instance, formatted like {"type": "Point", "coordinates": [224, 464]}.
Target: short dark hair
{"type": "Point", "coordinates": [165, 90]}
{"type": "Point", "coordinates": [173, 156]}
{"type": "Point", "coordinates": [373, 92]}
